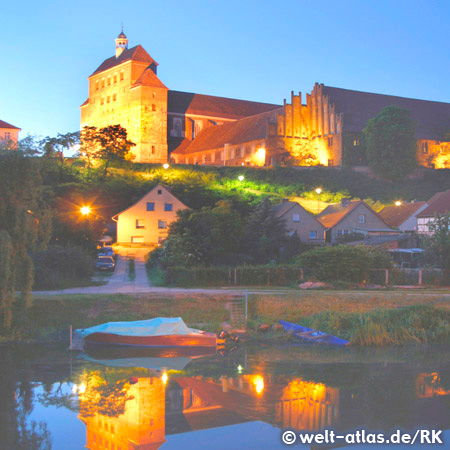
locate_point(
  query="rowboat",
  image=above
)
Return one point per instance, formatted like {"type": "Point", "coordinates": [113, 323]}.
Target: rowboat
{"type": "Point", "coordinates": [311, 336]}
{"type": "Point", "coordinates": [158, 332]}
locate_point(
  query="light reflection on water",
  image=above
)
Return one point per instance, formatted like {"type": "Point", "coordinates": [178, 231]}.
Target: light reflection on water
{"type": "Point", "coordinates": [119, 401]}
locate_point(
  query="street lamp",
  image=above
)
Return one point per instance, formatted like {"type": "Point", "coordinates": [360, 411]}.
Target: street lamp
{"type": "Point", "coordinates": [241, 177]}
{"type": "Point", "coordinates": [166, 166]}
{"type": "Point", "coordinates": [398, 203]}
{"type": "Point", "coordinates": [85, 210]}
{"type": "Point", "coordinates": [318, 191]}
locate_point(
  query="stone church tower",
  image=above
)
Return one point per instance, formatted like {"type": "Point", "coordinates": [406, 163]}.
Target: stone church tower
{"type": "Point", "coordinates": [125, 90]}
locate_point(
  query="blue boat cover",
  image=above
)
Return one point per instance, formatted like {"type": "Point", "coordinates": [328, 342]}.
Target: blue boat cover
{"type": "Point", "coordinates": [160, 326]}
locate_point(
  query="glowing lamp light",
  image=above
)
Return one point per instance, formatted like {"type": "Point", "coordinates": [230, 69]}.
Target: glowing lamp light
{"type": "Point", "coordinates": [318, 191]}
{"type": "Point", "coordinates": [398, 203]}
{"type": "Point", "coordinates": [82, 388]}
{"type": "Point", "coordinates": [166, 166]}
{"type": "Point", "coordinates": [241, 177]}
{"type": "Point", "coordinates": [85, 210]}
{"type": "Point", "coordinates": [259, 157]}
{"type": "Point", "coordinates": [258, 382]}
{"type": "Point", "coordinates": [74, 388]}
{"type": "Point", "coordinates": [239, 368]}
{"type": "Point", "coordinates": [164, 378]}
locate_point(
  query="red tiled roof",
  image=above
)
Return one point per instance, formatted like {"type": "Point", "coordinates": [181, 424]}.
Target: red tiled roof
{"type": "Point", "coordinates": [439, 204]}
{"type": "Point", "coordinates": [208, 105]}
{"type": "Point", "coordinates": [149, 78]}
{"type": "Point", "coordinates": [432, 118]}
{"type": "Point", "coordinates": [333, 214]}
{"type": "Point", "coordinates": [178, 145]}
{"type": "Point", "coordinates": [137, 53]}
{"type": "Point", "coordinates": [4, 124]}
{"type": "Point", "coordinates": [241, 131]}
{"type": "Point", "coordinates": [396, 215]}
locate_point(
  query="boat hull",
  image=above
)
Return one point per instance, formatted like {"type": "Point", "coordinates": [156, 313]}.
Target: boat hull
{"type": "Point", "coordinates": [174, 340]}
{"type": "Point", "coordinates": [311, 336]}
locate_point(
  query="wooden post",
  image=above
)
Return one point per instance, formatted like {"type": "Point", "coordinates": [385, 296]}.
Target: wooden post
{"type": "Point", "coordinates": [235, 276]}
{"type": "Point", "coordinates": [70, 346]}
{"type": "Point", "coordinates": [246, 305]}
{"type": "Point", "coordinates": [420, 277]}
{"type": "Point", "coordinates": [386, 276]}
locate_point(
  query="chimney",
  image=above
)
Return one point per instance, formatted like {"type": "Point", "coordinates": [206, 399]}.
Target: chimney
{"type": "Point", "coordinates": [345, 202]}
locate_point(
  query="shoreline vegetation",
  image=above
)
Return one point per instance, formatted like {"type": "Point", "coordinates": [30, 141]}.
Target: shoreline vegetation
{"type": "Point", "coordinates": [365, 318]}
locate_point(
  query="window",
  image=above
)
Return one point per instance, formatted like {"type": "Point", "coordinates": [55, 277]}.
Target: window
{"type": "Point", "coordinates": [153, 150]}
{"type": "Point", "coordinates": [356, 141]}
{"type": "Point", "coordinates": [137, 239]}
{"type": "Point", "coordinates": [168, 206]}
{"type": "Point", "coordinates": [162, 224]}
{"type": "Point", "coordinates": [361, 218]}
{"type": "Point", "coordinates": [330, 141]}
{"type": "Point", "coordinates": [7, 135]}
{"type": "Point", "coordinates": [330, 162]}
{"type": "Point", "coordinates": [108, 99]}
{"type": "Point", "coordinates": [109, 81]}
{"type": "Point", "coordinates": [114, 97]}
{"type": "Point", "coordinates": [121, 76]}
{"type": "Point", "coordinates": [102, 101]}
{"type": "Point", "coordinates": [339, 233]}
{"type": "Point", "coordinates": [425, 147]}
{"type": "Point", "coordinates": [296, 217]}
{"type": "Point", "coordinates": [159, 191]}
{"type": "Point", "coordinates": [115, 78]}
{"type": "Point", "coordinates": [150, 206]}
{"type": "Point", "coordinates": [103, 83]}
{"type": "Point", "coordinates": [96, 85]}
{"type": "Point", "coordinates": [153, 107]}
{"type": "Point", "coordinates": [313, 234]}
{"type": "Point", "coordinates": [140, 223]}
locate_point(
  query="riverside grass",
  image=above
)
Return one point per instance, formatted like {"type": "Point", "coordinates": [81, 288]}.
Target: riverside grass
{"type": "Point", "coordinates": [376, 318]}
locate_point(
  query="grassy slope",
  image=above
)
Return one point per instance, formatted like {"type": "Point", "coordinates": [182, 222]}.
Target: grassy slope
{"type": "Point", "coordinates": [51, 316]}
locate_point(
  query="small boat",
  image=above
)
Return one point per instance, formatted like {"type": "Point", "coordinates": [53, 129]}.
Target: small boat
{"type": "Point", "coordinates": [311, 336]}
{"type": "Point", "coordinates": [158, 332]}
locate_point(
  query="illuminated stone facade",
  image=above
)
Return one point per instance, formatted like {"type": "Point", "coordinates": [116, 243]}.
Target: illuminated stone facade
{"type": "Point", "coordinates": [199, 129]}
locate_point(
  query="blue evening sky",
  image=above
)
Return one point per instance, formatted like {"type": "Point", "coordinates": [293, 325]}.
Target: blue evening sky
{"type": "Point", "coordinates": [250, 49]}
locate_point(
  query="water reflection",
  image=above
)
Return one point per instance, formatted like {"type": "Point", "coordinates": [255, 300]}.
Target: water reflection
{"type": "Point", "coordinates": [138, 401]}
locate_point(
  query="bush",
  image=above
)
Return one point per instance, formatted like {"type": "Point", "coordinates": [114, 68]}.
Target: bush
{"type": "Point", "coordinates": [343, 262]}
{"type": "Point", "coordinates": [59, 267]}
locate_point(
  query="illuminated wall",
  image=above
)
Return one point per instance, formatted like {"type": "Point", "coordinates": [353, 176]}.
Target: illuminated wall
{"type": "Point", "coordinates": [434, 154]}
{"type": "Point", "coordinates": [142, 425]}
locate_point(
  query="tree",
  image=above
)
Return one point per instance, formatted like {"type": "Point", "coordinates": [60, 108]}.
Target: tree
{"type": "Point", "coordinates": [266, 233]}
{"type": "Point", "coordinates": [391, 143]}
{"type": "Point", "coordinates": [109, 144]}
{"type": "Point", "coordinates": [25, 225]}
{"type": "Point", "coordinates": [438, 243]}
{"type": "Point", "coordinates": [57, 146]}
{"type": "Point", "coordinates": [208, 236]}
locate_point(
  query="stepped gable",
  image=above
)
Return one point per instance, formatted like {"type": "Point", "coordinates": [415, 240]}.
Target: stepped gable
{"type": "Point", "coordinates": [208, 105]}
{"type": "Point", "coordinates": [136, 53]}
{"type": "Point", "coordinates": [432, 118]}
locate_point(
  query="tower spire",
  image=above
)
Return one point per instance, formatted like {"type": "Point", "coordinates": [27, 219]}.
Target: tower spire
{"type": "Point", "coordinates": [121, 43]}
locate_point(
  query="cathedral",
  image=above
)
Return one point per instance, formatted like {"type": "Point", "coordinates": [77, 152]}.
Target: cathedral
{"type": "Point", "coordinates": [322, 128]}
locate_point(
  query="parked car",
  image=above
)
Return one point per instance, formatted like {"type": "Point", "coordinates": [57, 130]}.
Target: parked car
{"type": "Point", "coordinates": [105, 263]}
{"type": "Point", "coordinates": [106, 251]}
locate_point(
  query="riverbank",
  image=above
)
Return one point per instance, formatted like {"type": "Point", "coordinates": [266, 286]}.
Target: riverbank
{"type": "Point", "coordinates": [365, 318]}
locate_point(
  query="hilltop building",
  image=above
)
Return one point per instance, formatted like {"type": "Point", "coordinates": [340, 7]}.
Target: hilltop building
{"type": "Point", "coordinates": [324, 127]}
{"type": "Point", "coordinates": [9, 135]}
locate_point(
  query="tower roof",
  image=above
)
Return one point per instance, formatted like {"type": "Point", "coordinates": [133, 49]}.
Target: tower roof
{"type": "Point", "coordinates": [136, 53]}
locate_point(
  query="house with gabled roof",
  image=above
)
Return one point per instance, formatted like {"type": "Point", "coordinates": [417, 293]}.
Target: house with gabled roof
{"type": "Point", "coordinates": [147, 221]}
{"type": "Point", "coordinates": [348, 217]}
{"type": "Point", "coordinates": [9, 135]}
{"type": "Point", "coordinates": [438, 205]}
{"type": "Point", "coordinates": [300, 221]}
{"type": "Point", "coordinates": [404, 216]}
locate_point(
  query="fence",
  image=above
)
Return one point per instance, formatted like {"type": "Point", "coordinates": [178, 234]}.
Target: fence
{"type": "Point", "coordinates": [238, 276]}
{"type": "Point", "coordinates": [407, 277]}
